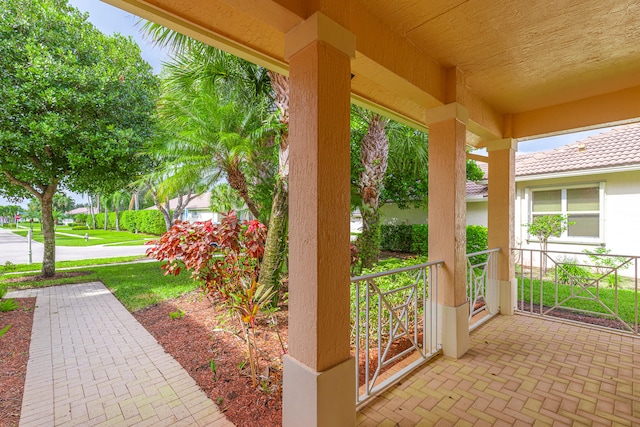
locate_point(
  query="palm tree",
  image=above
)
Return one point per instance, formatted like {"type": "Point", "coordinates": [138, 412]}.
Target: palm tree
{"type": "Point", "coordinates": [215, 132]}
{"type": "Point", "coordinates": [220, 68]}
{"type": "Point", "coordinates": [374, 154]}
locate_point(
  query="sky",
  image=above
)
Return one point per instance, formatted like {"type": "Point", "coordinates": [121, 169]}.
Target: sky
{"type": "Point", "coordinates": [109, 20]}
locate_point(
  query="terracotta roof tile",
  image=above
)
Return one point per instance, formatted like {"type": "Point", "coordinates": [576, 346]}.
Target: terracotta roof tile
{"type": "Point", "coordinates": [617, 147]}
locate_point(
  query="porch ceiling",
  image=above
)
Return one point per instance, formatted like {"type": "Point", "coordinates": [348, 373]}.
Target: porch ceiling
{"type": "Point", "coordinates": [521, 70]}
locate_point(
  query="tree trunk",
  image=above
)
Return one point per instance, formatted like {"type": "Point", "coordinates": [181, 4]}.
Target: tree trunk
{"type": "Point", "coordinates": [275, 249]}
{"type": "Point", "coordinates": [117, 220]}
{"type": "Point", "coordinates": [166, 213]}
{"type": "Point", "coordinates": [48, 233]}
{"type": "Point", "coordinates": [93, 216]}
{"type": "Point", "coordinates": [374, 155]}
{"type": "Point", "coordinates": [369, 241]}
{"type": "Point", "coordinates": [238, 182]}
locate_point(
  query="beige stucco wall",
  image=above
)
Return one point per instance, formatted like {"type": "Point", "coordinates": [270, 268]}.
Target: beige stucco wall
{"type": "Point", "coordinates": [392, 214]}
{"type": "Point", "coordinates": [621, 219]}
{"type": "Point", "coordinates": [477, 212]}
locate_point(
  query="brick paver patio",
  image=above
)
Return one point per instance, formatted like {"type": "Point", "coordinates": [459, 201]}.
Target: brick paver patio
{"type": "Point", "coordinates": [91, 363]}
{"type": "Point", "coordinates": [522, 371]}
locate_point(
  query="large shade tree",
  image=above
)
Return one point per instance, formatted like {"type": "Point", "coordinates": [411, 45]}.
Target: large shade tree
{"type": "Point", "coordinates": [75, 107]}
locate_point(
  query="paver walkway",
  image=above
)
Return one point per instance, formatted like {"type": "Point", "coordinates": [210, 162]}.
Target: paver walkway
{"type": "Point", "coordinates": [521, 371]}
{"type": "Point", "coordinates": [91, 363]}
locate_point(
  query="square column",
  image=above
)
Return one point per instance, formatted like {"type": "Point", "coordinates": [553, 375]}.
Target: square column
{"type": "Point", "coordinates": [502, 189]}
{"type": "Point", "coordinates": [447, 225]}
{"type": "Point", "coordinates": [319, 372]}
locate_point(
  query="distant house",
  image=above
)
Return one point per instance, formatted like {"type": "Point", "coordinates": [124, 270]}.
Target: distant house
{"type": "Point", "coordinates": [595, 182]}
{"type": "Point", "coordinates": [199, 209]}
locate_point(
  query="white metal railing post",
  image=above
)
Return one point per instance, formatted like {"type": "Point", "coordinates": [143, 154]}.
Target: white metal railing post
{"type": "Point", "coordinates": [600, 289]}
{"type": "Point", "coordinates": [403, 312]}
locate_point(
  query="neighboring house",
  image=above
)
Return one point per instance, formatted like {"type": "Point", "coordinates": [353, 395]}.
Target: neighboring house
{"type": "Point", "coordinates": [199, 209]}
{"type": "Point", "coordinates": [390, 213]}
{"type": "Point", "coordinates": [77, 211]}
{"type": "Point", "coordinates": [595, 182]}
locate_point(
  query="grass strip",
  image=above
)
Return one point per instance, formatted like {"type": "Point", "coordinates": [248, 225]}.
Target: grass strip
{"type": "Point", "coordinates": [136, 285]}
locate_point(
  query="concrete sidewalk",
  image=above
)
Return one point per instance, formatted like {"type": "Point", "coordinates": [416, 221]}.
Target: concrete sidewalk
{"type": "Point", "coordinates": [91, 363]}
{"type": "Point", "coordinates": [15, 248]}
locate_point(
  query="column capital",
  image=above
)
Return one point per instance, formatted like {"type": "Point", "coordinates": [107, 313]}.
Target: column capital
{"type": "Point", "coordinates": [454, 110]}
{"type": "Point", "coordinates": [319, 27]}
{"type": "Point", "coordinates": [502, 144]}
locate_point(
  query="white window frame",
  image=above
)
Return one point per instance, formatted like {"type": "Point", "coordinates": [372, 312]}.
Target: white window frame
{"type": "Point", "coordinates": [564, 237]}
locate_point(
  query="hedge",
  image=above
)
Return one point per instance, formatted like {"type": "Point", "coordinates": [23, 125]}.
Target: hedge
{"type": "Point", "coordinates": [147, 221]}
{"type": "Point", "coordinates": [415, 238]}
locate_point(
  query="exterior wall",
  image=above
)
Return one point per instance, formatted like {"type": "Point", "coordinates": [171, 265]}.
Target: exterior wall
{"type": "Point", "coordinates": [195, 215]}
{"type": "Point", "coordinates": [477, 212]}
{"type": "Point", "coordinates": [392, 214]}
{"type": "Point", "coordinates": [621, 223]}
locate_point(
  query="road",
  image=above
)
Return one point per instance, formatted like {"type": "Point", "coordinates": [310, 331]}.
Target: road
{"type": "Point", "coordinates": [15, 249]}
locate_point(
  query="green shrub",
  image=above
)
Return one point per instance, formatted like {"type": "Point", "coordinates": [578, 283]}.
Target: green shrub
{"type": "Point", "coordinates": [80, 218]}
{"type": "Point", "coordinates": [570, 273]}
{"type": "Point", "coordinates": [415, 239]}
{"type": "Point", "coordinates": [128, 220]}
{"type": "Point", "coordinates": [79, 227]}
{"type": "Point", "coordinates": [150, 222]}
{"type": "Point", "coordinates": [395, 238]}
{"type": "Point", "coordinates": [477, 240]}
{"type": "Point", "coordinates": [420, 239]}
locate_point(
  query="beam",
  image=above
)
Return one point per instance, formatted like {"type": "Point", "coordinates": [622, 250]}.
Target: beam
{"type": "Point", "coordinates": [609, 109]}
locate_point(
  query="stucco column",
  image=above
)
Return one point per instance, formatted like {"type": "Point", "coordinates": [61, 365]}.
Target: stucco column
{"type": "Point", "coordinates": [502, 189]}
{"type": "Point", "coordinates": [319, 372]}
{"type": "Point", "coordinates": [447, 225]}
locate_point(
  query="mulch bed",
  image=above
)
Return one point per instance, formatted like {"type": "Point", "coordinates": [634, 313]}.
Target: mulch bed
{"type": "Point", "coordinates": [207, 334]}
{"type": "Point", "coordinates": [14, 355]}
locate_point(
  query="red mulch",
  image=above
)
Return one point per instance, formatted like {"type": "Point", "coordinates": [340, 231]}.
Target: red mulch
{"type": "Point", "coordinates": [14, 355]}
{"type": "Point", "coordinates": [205, 334]}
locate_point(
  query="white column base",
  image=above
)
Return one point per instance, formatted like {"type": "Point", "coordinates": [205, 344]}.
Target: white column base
{"type": "Point", "coordinates": [508, 296]}
{"type": "Point", "coordinates": [319, 399]}
{"type": "Point", "coordinates": [455, 330]}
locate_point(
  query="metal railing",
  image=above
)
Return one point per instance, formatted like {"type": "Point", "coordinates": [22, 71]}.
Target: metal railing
{"type": "Point", "coordinates": [394, 325]}
{"type": "Point", "coordinates": [482, 286]}
{"type": "Point", "coordinates": [599, 289]}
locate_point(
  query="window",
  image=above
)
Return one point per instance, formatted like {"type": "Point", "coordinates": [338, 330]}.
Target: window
{"type": "Point", "coordinates": [582, 204]}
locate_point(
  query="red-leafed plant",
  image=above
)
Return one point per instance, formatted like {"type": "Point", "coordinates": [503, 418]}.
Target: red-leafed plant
{"type": "Point", "coordinates": [225, 259]}
{"type": "Point", "coordinates": [219, 256]}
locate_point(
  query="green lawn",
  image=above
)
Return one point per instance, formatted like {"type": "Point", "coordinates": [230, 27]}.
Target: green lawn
{"type": "Point", "coordinates": [625, 298]}
{"type": "Point", "coordinates": [136, 285]}
{"type": "Point", "coordinates": [65, 236]}
{"type": "Point", "coordinates": [37, 266]}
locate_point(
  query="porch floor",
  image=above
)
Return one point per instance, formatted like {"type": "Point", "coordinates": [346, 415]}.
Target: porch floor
{"type": "Point", "coordinates": [521, 370]}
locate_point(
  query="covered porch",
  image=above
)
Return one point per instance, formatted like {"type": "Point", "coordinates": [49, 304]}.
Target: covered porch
{"type": "Point", "coordinates": [470, 73]}
{"type": "Point", "coordinates": [521, 370]}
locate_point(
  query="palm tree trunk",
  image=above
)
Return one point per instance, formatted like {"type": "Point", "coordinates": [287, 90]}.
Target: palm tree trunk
{"type": "Point", "coordinates": [238, 182]}
{"type": "Point", "coordinates": [276, 245]}
{"type": "Point", "coordinates": [374, 155]}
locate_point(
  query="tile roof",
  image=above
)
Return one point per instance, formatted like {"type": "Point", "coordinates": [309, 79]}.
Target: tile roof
{"type": "Point", "coordinates": [619, 146]}
{"type": "Point", "coordinates": [476, 190]}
